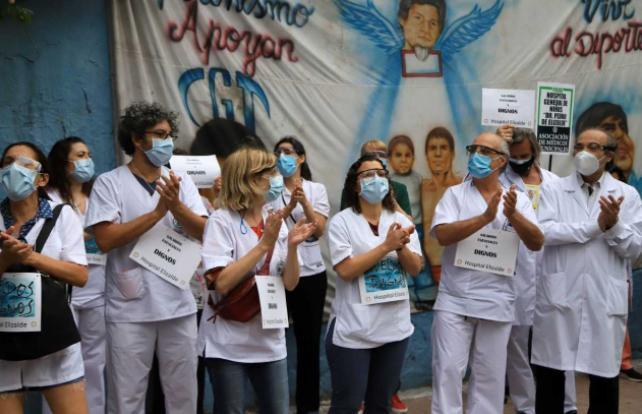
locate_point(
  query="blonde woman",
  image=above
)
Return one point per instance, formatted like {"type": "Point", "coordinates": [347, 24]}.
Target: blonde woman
{"type": "Point", "coordinates": [242, 238]}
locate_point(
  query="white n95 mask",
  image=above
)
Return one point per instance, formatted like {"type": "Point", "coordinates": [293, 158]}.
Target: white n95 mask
{"type": "Point", "coordinates": [586, 163]}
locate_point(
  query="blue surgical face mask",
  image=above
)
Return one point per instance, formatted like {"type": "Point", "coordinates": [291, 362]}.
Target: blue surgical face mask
{"type": "Point", "coordinates": [286, 165]}
{"type": "Point", "coordinates": [276, 188]}
{"type": "Point", "coordinates": [18, 181]}
{"type": "Point", "coordinates": [374, 189]}
{"type": "Point", "coordinates": [83, 170]}
{"type": "Point", "coordinates": [479, 165]}
{"type": "Point", "coordinates": [161, 151]}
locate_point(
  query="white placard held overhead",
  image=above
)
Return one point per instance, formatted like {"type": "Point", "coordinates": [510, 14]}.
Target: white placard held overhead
{"type": "Point", "coordinates": [20, 302]}
{"type": "Point", "coordinates": [508, 106]}
{"type": "Point", "coordinates": [202, 169]}
{"type": "Point", "coordinates": [555, 116]}
{"type": "Point", "coordinates": [274, 310]}
{"type": "Point", "coordinates": [489, 250]}
{"type": "Point", "coordinates": [168, 254]}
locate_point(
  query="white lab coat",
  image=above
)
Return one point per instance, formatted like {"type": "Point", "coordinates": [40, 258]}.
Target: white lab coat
{"type": "Point", "coordinates": [581, 306]}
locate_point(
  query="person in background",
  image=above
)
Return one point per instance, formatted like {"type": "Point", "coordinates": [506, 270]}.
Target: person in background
{"type": "Point", "coordinates": [528, 176]}
{"type": "Point", "coordinates": [70, 181]}
{"type": "Point", "coordinates": [373, 246]}
{"type": "Point", "coordinates": [58, 375]}
{"type": "Point", "coordinates": [379, 149]}
{"type": "Point", "coordinates": [303, 199]}
{"type": "Point", "coordinates": [244, 238]}
{"type": "Point", "coordinates": [440, 157]}
{"type": "Point", "coordinates": [145, 313]}
{"type": "Point", "coordinates": [401, 158]}
{"type": "Point", "coordinates": [475, 307]}
{"type": "Point", "coordinates": [593, 229]}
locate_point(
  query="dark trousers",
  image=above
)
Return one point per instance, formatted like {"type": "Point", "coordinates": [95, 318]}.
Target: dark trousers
{"type": "Point", "coordinates": [368, 375]}
{"type": "Point", "coordinates": [306, 304]}
{"type": "Point", "coordinates": [603, 392]}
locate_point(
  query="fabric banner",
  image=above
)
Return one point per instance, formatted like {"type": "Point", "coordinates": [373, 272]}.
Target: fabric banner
{"type": "Point", "coordinates": [336, 73]}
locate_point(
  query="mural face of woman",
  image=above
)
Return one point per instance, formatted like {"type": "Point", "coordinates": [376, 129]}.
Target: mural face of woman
{"type": "Point", "coordinates": [439, 156]}
{"type": "Point", "coordinates": [625, 146]}
{"type": "Point", "coordinates": [401, 159]}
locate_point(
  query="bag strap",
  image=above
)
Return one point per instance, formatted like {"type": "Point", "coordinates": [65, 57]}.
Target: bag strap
{"type": "Point", "coordinates": [47, 228]}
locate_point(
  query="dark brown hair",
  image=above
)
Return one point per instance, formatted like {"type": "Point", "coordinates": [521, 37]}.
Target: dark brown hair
{"type": "Point", "coordinates": [351, 197]}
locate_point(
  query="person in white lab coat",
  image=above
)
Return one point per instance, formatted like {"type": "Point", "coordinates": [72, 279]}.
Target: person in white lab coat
{"type": "Point", "coordinates": [593, 229]}
{"type": "Point", "coordinates": [145, 313]}
{"type": "Point", "coordinates": [528, 176]}
{"type": "Point", "coordinates": [475, 308]}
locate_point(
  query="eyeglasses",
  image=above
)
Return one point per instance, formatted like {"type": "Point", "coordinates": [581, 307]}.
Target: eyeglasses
{"type": "Point", "coordinates": [23, 162]}
{"type": "Point", "coordinates": [483, 150]}
{"type": "Point", "coordinates": [373, 173]}
{"type": "Point", "coordinates": [160, 134]}
{"type": "Point", "coordinates": [592, 146]}
{"type": "Point", "coordinates": [286, 151]}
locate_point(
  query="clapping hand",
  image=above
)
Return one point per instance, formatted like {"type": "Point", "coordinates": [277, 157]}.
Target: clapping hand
{"type": "Point", "coordinates": [609, 211]}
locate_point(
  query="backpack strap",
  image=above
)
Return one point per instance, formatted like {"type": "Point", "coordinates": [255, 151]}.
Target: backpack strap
{"type": "Point", "coordinates": [47, 228]}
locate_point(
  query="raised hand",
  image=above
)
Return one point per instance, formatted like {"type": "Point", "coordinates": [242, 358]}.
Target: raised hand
{"type": "Point", "coordinates": [272, 228]}
{"type": "Point", "coordinates": [493, 203]}
{"type": "Point", "coordinates": [14, 251]}
{"type": "Point", "coordinates": [300, 232]}
{"type": "Point", "coordinates": [396, 237]}
{"type": "Point", "coordinates": [510, 202]}
{"type": "Point", "coordinates": [609, 211]}
{"type": "Point", "coordinates": [506, 133]}
{"type": "Point", "coordinates": [169, 189]}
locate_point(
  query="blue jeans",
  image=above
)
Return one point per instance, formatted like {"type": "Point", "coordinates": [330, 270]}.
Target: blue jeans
{"type": "Point", "coordinates": [269, 380]}
{"type": "Point", "coordinates": [368, 375]}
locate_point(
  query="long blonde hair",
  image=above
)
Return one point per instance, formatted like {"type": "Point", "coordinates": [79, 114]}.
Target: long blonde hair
{"type": "Point", "coordinates": [239, 171]}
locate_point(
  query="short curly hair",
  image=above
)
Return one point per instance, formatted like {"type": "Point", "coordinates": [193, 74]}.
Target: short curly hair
{"type": "Point", "coordinates": [138, 118]}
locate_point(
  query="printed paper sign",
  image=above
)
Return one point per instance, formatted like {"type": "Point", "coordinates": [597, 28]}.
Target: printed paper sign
{"type": "Point", "coordinates": [555, 116]}
{"type": "Point", "coordinates": [508, 107]}
{"type": "Point", "coordinates": [168, 254]}
{"type": "Point", "coordinates": [94, 255]}
{"type": "Point", "coordinates": [20, 302]}
{"type": "Point", "coordinates": [274, 310]}
{"type": "Point", "coordinates": [202, 169]}
{"type": "Point", "coordinates": [489, 250]}
{"type": "Point", "coordinates": [384, 282]}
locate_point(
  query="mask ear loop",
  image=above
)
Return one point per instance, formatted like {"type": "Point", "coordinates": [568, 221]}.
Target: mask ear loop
{"type": "Point", "coordinates": [242, 226]}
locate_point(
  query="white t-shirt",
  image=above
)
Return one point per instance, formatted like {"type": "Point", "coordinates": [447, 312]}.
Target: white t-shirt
{"type": "Point", "coordinates": [65, 241]}
{"type": "Point", "coordinates": [132, 293]}
{"type": "Point", "coordinates": [225, 241]}
{"type": "Point", "coordinates": [93, 293]}
{"type": "Point", "coordinates": [361, 326]}
{"type": "Point", "coordinates": [310, 250]}
{"type": "Point", "coordinates": [470, 292]}
{"type": "Point", "coordinates": [412, 181]}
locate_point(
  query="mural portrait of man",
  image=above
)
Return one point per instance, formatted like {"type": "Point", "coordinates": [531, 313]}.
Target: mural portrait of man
{"type": "Point", "coordinates": [440, 156]}
{"type": "Point", "coordinates": [422, 22]}
{"type": "Point", "coordinates": [612, 118]}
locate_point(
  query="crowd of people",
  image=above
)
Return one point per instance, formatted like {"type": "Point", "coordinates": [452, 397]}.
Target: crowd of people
{"type": "Point", "coordinates": [554, 300]}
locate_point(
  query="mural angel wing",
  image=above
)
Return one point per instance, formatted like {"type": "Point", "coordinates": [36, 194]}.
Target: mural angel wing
{"type": "Point", "coordinates": [469, 28]}
{"type": "Point", "coordinates": [369, 21]}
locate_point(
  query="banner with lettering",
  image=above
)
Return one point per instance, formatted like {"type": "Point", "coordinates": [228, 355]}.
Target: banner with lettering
{"type": "Point", "coordinates": [337, 73]}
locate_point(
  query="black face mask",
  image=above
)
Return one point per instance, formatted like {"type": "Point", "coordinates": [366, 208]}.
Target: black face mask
{"type": "Point", "coordinates": [523, 167]}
